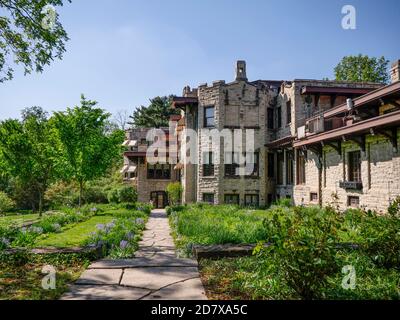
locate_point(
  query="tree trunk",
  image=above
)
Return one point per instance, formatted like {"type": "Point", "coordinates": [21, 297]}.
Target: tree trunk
{"type": "Point", "coordinates": [80, 192]}
{"type": "Point", "coordinates": [40, 203]}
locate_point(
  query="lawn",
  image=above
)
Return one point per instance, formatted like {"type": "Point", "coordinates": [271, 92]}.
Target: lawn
{"type": "Point", "coordinates": [73, 236]}
{"type": "Point", "coordinates": [18, 219]}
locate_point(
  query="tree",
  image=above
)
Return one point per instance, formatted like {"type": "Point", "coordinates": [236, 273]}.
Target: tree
{"type": "Point", "coordinates": [121, 119]}
{"type": "Point", "coordinates": [30, 35]}
{"type": "Point", "coordinates": [89, 148]}
{"type": "Point", "coordinates": [28, 151]}
{"type": "Point", "coordinates": [363, 69]}
{"type": "Point", "coordinates": [156, 115]}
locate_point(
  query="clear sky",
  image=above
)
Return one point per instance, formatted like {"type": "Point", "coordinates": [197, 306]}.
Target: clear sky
{"type": "Point", "coordinates": [123, 52]}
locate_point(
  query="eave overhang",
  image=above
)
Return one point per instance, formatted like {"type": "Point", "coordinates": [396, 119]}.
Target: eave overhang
{"type": "Point", "coordinates": [335, 90]}
{"type": "Point", "coordinates": [359, 128]}
{"type": "Point", "coordinates": [284, 142]}
{"type": "Point", "coordinates": [390, 91]}
{"type": "Point", "coordinates": [181, 102]}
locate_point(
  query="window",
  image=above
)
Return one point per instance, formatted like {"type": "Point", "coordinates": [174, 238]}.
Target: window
{"type": "Point", "coordinates": [281, 161]}
{"type": "Point", "coordinates": [208, 198]}
{"type": "Point", "coordinates": [208, 164]}
{"type": "Point", "coordinates": [159, 171]}
{"type": "Point", "coordinates": [209, 117]}
{"type": "Point", "coordinates": [288, 112]}
{"type": "Point", "coordinates": [301, 168]}
{"type": "Point", "coordinates": [231, 164]}
{"type": "Point", "coordinates": [270, 118]}
{"type": "Point", "coordinates": [279, 116]}
{"type": "Point", "coordinates": [353, 201]}
{"type": "Point", "coordinates": [231, 199]}
{"type": "Point", "coordinates": [289, 168]}
{"type": "Point", "coordinates": [313, 197]}
{"type": "Point", "coordinates": [251, 200]}
{"type": "Point", "coordinates": [355, 166]}
{"type": "Point", "coordinates": [252, 164]}
{"type": "Point", "coordinates": [271, 165]}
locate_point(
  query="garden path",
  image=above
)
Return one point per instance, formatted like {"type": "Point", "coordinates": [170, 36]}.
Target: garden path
{"type": "Point", "coordinates": [156, 273]}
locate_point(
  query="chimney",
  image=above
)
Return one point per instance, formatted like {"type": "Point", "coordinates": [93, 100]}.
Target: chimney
{"type": "Point", "coordinates": [395, 71]}
{"type": "Point", "coordinates": [241, 71]}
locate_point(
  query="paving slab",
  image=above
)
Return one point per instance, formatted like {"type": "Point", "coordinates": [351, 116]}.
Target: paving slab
{"type": "Point", "coordinates": [100, 276]}
{"type": "Point", "coordinates": [154, 273]}
{"type": "Point", "coordinates": [107, 292]}
{"type": "Point", "coordinates": [187, 290]}
{"type": "Point", "coordinates": [157, 260]}
{"type": "Point", "coordinates": [158, 277]}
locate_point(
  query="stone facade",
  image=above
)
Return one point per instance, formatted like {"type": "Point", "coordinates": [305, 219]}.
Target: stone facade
{"type": "Point", "coordinates": [282, 113]}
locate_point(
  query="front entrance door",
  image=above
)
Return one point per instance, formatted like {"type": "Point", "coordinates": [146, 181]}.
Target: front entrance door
{"type": "Point", "coordinates": [159, 199]}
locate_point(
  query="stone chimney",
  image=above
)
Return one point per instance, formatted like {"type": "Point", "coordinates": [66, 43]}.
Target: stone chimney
{"type": "Point", "coordinates": [241, 71]}
{"type": "Point", "coordinates": [395, 71]}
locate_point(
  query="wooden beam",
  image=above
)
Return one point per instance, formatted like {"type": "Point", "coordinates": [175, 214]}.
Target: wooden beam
{"type": "Point", "coordinates": [360, 141]}
{"type": "Point", "coordinates": [337, 147]}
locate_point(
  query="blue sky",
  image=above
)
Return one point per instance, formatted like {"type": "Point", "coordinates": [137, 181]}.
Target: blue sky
{"type": "Point", "coordinates": [123, 52]}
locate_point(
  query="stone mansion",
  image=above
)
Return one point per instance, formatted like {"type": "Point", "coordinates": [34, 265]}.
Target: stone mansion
{"type": "Point", "coordinates": [315, 142]}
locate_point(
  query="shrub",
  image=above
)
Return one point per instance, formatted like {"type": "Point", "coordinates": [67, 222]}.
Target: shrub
{"type": "Point", "coordinates": [304, 244]}
{"type": "Point", "coordinates": [381, 236]}
{"type": "Point", "coordinates": [5, 203]}
{"type": "Point", "coordinates": [61, 194]}
{"type": "Point", "coordinates": [95, 194]}
{"type": "Point", "coordinates": [174, 191]}
{"type": "Point", "coordinates": [127, 194]}
{"type": "Point", "coordinates": [284, 203]}
{"type": "Point", "coordinates": [123, 194]}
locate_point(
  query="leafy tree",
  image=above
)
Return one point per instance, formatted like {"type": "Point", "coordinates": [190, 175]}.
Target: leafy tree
{"type": "Point", "coordinates": [28, 150]}
{"type": "Point", "coordinates": [5, 202]}
{"type": "Point", "coordinates": [30, 35]}
{"type": "Point", "coordinates": [363, 69]}
{"type": "Point", "coordinates": [89, 148]}
{"type": "Point", "coordinates": [155, 115]}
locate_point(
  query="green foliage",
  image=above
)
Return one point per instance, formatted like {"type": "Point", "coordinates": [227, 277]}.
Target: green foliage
{"type": "Point", "coordinates": [381, 239]}
{"type": "Point", "coordinates": [394, 208]}
{"type": "Point", "coordinates": [207, 224]}
{"type": "Point", "coordinates": [304, 244]}
{"type": "Point", "coordinates": [122, 194]}
{"type": "Point", "coordinates": [5, 203]}
{"type": "Point", "coordinates": [174, 191]}
{"type": "Point", "coordinates": [28, 149]}
{"type": "Point", "coordinates": [24, 40]}
{"type": "Point", "coordinates": [62, 194]}
{"type": "Point", "coordinates": [284, 202]}
{"type": "Point", "coordinates": [363, 69]}
{"type": "Point", "coordinates": [156, 115]}
{"type": "Point", "coordinates": [88, 147]}
{"type": "Point", "coordinates": [119, 238]}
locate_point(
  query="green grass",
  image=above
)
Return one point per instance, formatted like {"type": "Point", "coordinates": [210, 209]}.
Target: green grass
{"type": "Point", "coordinates": [254, 278]}
{"type": "Point", "coordinates": [217, 225]}
{"type": "Point", "coordinates": [74, 236]}
{"type": "Point", "coordinates": [22, 280]}
{"type": "Point", "coordinates": [18, 219]}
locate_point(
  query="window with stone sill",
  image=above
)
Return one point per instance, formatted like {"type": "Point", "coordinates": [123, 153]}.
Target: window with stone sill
{"type": "Point", "coordinates": [251, 200]}
{"type": "Point", "coordinates": [208, 198]}
{"type": "Point", "coordinates": [231, 199]}
{"type": "Point", "coordinates": [208, 164]}
{"type": "Point", "coordinates": [209, 120]}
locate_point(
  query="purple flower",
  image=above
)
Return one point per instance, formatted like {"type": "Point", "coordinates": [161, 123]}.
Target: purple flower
{"type": "Point", "coordinates": [130, 235]}
{"type": "Point", "coordinates": [5, 241]}
{"type": "Point", "coordinates": [93, 209]}
{"type": "Point", "coordinates": [123, 244]}
{"type": "Point", "coordinates": [100, 226]}
{"type": "Point", "coordinates": [139, 221]}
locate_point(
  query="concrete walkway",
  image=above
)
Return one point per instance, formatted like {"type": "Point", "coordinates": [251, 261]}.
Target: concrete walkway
{"type": "Point", "coordinates": [154, 274]}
